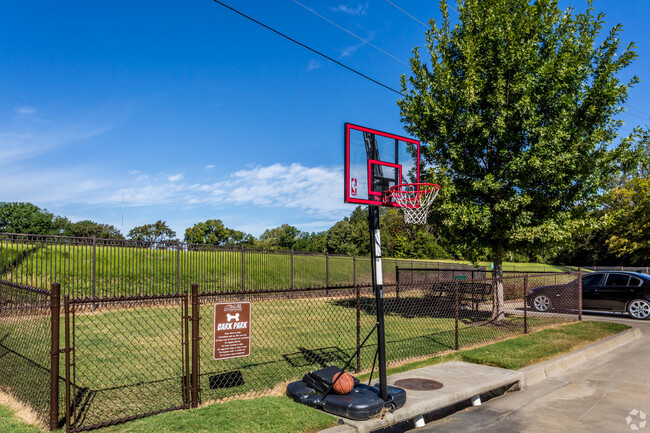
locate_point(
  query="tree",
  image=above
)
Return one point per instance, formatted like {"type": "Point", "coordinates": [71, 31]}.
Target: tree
{"type": "Point", "coordinates": [283, 237]}
{"type": "Point", "coordinates": [213, 232]}
{"type": "Point", "coordinates": [339, 239]}
{"type": "Point", "coordinates": [628, 208]}
{"type": "Point", "coordinates": [156, 232]}
{"type": "Point", "coordinates": [25, 218]}
{"type": "Point", "coordinates": [516, 115]}
{"type": "Point", "coordinates": [88, 229]}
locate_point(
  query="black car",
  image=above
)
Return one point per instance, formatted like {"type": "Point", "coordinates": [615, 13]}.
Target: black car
{"type": "Point", "coordinates": [606, 291]}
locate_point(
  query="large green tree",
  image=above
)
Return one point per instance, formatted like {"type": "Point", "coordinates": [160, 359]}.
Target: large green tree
{"type": "Point", "coordinates": [213, 232]}
{"type": "Point", "coordinates": [156, 232]}
{"type": "Point", "coordinates": [516, 110]}
{"type": "Point", "coordinates": [18, 217]}
{"type": "Point", "coordinates": [88, 229]}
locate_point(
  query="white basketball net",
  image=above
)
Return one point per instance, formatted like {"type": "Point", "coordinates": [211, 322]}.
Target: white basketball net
{"type": "Point", "coordinates": [415, 199]}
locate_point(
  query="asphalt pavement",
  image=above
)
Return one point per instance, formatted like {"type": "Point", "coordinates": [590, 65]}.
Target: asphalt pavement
{"type": "Point", "coordinates": [608, 393]}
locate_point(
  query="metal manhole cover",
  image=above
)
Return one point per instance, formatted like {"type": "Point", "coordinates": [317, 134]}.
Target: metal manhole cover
{"type": "Point", "coordinates": [416, 384]}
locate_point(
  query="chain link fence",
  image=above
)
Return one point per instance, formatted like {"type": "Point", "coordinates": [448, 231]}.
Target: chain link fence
{"type": "Point", "coordinates": [132, 356]}
{"type": "Point", "coordinates": [25, 346]}
{"type": "Point", "coordinates": [126, 358]}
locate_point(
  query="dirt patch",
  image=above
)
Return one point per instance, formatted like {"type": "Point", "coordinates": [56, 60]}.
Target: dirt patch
{"type": "Point", "coordinates": [21, 410]}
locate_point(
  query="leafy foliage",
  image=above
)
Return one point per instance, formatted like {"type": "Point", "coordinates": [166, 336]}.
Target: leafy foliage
{"type": "Point", "coordinates": [156, 232]}
{"type": "Point", "coordinates": [25, 218]}
{"type": "Point", "coordinates": [516, 112]}
{"type": "Point", "coordinates": [213, 232]}
{"type": "Point", "coordinates": [89, 229]}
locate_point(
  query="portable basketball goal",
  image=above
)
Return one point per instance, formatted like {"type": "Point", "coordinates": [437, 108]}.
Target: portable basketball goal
{"type": "Point", "coordinates": [381, 169]}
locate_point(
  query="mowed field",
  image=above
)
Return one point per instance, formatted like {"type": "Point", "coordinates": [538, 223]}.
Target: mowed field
{"type": "Point", "coordinates": [84, 270]}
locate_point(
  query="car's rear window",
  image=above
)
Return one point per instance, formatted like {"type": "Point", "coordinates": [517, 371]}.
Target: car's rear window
{"type": "Point", "coordinates": [634, 281]}
{"type": "Point", "coordinates": [617, 280]}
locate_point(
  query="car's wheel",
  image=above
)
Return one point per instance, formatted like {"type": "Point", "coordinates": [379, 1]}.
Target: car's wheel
{"type": "Point", "coordinates": [639, 309]}
{"type": "Point", "coordinates": [542, 303]}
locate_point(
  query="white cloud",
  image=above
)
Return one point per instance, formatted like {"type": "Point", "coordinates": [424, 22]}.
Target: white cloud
{"type": "Point", "coordinates": [314, 190]}
{"type": "Point", "coordinates": [361, 9]}
{"type": "Point", "coordinates": [175, 177]}
{"type": "Point", "coordinates": [209, 166]}
{"type": "Point", "coordinates": [314, 64]}
{"type": "Point", "coordinates": [25, 109]}
{"type": "Point", "coordinates": [311, 190]}
{"type": "Point", "coordinates": [16, 145]}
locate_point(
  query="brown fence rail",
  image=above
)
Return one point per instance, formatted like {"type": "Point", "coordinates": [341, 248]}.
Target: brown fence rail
{"type": "Point", "coordinates": [90, 267]}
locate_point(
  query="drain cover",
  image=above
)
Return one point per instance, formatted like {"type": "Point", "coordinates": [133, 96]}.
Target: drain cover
{"type": "Point", "coordinates": [416, 384]}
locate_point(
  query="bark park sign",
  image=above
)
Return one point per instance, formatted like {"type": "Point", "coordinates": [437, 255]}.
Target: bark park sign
{"type": "Point", "coordinates": [232, 330]}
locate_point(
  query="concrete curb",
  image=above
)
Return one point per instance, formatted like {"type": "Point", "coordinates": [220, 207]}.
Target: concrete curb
{"type": "Point", "coordinates": [538, 372]}
{"type": "Point", "coordinates": [530, 375]}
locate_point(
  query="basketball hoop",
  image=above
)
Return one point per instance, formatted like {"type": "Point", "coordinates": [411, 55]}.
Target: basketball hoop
{"type": "Point", "coordinates": [414, 198]}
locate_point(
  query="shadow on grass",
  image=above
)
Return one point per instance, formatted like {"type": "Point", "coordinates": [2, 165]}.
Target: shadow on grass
{"type": "Point", "coordinates": [420, 307]}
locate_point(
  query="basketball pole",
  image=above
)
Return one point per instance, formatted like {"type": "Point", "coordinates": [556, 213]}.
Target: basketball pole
{"type": "Point", "coordinates": [377, 285]}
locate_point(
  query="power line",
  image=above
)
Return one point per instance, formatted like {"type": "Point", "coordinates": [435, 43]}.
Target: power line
{"type": "Point", "coordinates": [349, 32]}
{"type": "Point", "coordinates": [309, 48]}
{"type": "Point", "coordinates": [403, 11]}
{"type": "Point", "coordinates": [637, 109]}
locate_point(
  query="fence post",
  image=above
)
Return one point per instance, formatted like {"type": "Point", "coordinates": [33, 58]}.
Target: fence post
{"type": "Point", "coordinates": [94, 263]}
{"type": "Point", "coordinates": [327, 273]}
{"type": "Point", "coordinates": [178, 268]}
{"type": "Point", "coordinates": [358, 328]}
{"type": "Point", "coordinates": [525, 305]}
{"type": "Point", "coordinates": [354, 270]}
{"type": "Point", "coordinates": [456, 345]}
{"type": "Point", "coordinates": [55, 321]}
{"type": "Point", "coordinates": [187, 392]}
{"type": "Point", "coordinates": [292, 281]}
{"type": "Point", "coordinates": [580, 294]}
{"type": "Point", "coordinates": [69, 410]}
{"type": "Point", "coordinates": [195, 345]}
{"type": "Point", "coordinates": [243, 271]}
{"type": "Point", "coordinates": [396, 282]}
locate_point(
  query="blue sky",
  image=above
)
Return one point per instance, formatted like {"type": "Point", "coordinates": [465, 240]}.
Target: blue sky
{"type": "Point", "coordinates": [191, 112]}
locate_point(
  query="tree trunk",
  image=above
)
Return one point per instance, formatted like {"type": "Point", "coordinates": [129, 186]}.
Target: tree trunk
{"type": "Point", "coordinates": [498, 304]}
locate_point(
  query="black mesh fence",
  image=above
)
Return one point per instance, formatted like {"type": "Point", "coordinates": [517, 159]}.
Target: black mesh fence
{"type": "Point", "coordinates": [25, 345]}
{"type": "Point", "coordinates": [129, 358]}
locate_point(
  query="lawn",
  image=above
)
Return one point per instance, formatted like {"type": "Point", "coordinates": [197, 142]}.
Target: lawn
{"type": "Point", "coordinates": [280, 414]}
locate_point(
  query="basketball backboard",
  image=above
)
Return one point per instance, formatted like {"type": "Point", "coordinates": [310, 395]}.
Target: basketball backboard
{"type": "Point", "coordinates": [375, 161]}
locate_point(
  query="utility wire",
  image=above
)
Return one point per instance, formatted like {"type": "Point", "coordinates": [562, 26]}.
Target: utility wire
{"type": "Point", "coordinates": [309, 48]}
{"type": "Point", "coordinates": [349, 32]}
{"type": "Point", "coordinates": [639, 110]}
{"type": "Point", "coordinates": [403, 11]}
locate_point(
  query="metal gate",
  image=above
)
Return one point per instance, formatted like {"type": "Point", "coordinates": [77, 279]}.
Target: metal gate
{"type": "Point", "coordinates": [125, 358]}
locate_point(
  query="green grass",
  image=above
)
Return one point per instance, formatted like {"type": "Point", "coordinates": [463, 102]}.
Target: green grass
{"type": "Point", "coordinates": [9, 423]}
{"type": "Point", "coordinates": [261, 415]}
{"type": "Point", "coordinates": [519, 352]}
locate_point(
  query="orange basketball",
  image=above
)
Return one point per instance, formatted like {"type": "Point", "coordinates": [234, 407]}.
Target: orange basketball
{"type": "Point", "coordinates": [343, 385]}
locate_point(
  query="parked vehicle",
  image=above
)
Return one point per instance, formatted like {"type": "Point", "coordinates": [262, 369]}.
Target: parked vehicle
{"type": "Point", "coordinates": [605, 291]}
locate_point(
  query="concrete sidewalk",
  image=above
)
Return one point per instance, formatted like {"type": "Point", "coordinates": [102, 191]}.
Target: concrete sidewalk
{"type": "Point", "coordinates": [463, 380]}
{"type": "Point", "coordinates": [608, 392]}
